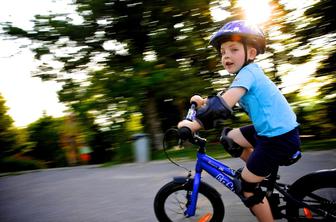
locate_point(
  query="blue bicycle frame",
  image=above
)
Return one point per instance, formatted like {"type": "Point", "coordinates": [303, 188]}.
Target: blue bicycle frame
{"type": "Point", "coordinates": [216, 169]}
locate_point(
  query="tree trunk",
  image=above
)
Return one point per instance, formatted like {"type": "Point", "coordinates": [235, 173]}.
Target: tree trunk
{"type": "Point", "coordinates": [153, 123]}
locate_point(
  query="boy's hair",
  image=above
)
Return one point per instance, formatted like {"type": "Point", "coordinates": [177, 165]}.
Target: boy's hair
{"type": "Point", "coordinates": [242, 31]}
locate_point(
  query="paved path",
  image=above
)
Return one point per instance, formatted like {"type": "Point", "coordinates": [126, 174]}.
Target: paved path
{"type": "Point", "coordinates": [119, 193]}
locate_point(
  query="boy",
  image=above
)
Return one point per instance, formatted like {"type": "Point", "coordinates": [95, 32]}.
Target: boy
{"type": "Point", "coordinates": [273, 138]}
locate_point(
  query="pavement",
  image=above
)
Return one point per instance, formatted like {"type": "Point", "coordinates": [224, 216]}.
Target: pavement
{"type": "Point", "coordinates": [120, 193]}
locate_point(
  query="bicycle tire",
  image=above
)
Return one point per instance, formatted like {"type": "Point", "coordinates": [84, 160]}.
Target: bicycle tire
{"type": "Point", "coordinates": [317, 189]}
{"type": "Point", "coordinates": [207, 194]}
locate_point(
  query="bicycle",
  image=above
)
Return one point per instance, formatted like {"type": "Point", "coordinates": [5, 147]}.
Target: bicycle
{"type": "Point", "coordinates": [309, 198]}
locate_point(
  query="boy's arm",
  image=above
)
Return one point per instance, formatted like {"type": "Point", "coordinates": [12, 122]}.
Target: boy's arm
{"type": "Point", "coordinates": [231, 97]}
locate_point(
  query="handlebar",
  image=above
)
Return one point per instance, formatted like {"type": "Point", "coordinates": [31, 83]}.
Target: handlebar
{"type": "Point", "coordinates": [191, 112]}
{"type": "Point", "coordinates": [185, 133]}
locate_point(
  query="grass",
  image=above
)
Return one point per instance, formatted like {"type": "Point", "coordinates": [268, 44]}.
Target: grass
{"type": "Point", "coordinates": [326, 144]}
{"type": "Point", "coordinates": [218, 152]}
{"type": "Point", "coordinates": [189, 152]}
{"type": "Point", "coordinates": [215, 150]}
{"type": "Point", "coordinates": [17, 163]}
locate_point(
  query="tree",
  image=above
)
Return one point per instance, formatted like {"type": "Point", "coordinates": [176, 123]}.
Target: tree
{"type": "Point", "coordinates": [313, 35]}
{"type": "Point", "coordinates": [149, 51]}
{"type": "Point", "coordinates": [322, 28]}
{"type": "Point", "coordinates": [8, 137]}
{"type": "Point", "coordinates": [45, 134]}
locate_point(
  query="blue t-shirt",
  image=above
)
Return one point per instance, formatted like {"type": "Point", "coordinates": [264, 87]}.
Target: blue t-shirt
{"type": "Point", "coordinates": [268, 109]}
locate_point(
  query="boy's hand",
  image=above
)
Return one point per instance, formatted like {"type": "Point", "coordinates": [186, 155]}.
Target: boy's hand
{"type": "Point", "coordinates": [194, 126]}
{"type": "Point", "coordinates": [198, 100]}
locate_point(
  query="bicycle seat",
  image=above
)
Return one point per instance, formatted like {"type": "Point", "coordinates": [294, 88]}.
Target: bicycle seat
{"type": "Point", "coordinates": [293, 159]}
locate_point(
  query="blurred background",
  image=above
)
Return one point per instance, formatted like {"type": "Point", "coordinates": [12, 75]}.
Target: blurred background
{"type": "Point", "coordinates": [129, 67]}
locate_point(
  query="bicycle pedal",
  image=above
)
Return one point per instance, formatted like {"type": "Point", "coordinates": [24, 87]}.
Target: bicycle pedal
{"type": "Point", "coordinates": [207, 217]}
{"type": "Point", "coordinates": [239, 171]}
{"type": "Point", "coordinates": [307, 213]}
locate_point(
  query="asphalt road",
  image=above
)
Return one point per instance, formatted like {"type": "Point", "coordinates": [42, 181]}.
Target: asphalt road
{"type": "Point", "coordinates": [119, 193]}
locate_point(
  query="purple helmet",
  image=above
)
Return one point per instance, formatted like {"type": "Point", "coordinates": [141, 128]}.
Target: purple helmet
{"type": "Point", "coordinates": [240, 30]}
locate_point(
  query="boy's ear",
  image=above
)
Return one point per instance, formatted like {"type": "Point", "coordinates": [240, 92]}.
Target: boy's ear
{"type": "Point", "coordinates": [252, 53]}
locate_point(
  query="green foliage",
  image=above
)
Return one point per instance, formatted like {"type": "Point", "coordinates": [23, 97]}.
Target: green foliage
{"type": "Point", "coordinates": [45, 135]}
{"type": "Point", "coordinates": [315, 144]}
{"type": "Point", "coordinates": [317, 36]}
{"type": "Point", "coordinates": [102, 144]}
{"type": "Point", "coordinates": [127, 78]}
{"type": "Point", "coordinates": [12, 164]}
{"type": "Point", "coordinates": [134, 124]}
{"type": "Point", "coordinates": [15, 31]}
{"type": "Point", "coordinates": [188, 152]}
{"type": "Point", "coordinates": [125, 152]}
{"type": "Point", "coordinates": [322, 20]}
{"type": "Point", "coordinates": [216, 150]}
{"type": "Point", "coordinates": [8, 136]}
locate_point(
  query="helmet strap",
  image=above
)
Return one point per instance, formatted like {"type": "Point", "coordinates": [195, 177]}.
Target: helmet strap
{"type": "Point", "coordinates": [246, 61]}
{"type": "Point", "coordinates": [245, 51]}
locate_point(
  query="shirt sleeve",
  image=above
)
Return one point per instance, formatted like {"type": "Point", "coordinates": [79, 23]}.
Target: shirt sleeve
{"type": "Point", "coordinates": [243, 79]}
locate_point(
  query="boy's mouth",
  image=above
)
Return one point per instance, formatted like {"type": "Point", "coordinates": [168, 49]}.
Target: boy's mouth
{"type": "Point", "coordinates": [229, 63]}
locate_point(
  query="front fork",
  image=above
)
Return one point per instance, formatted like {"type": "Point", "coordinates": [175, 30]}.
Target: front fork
{"type": "Point", "coordinates": [192, 199]}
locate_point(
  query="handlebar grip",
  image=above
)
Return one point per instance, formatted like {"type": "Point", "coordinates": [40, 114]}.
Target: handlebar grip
{"type": "Point", "coordinates": [184, 133]}
{"type": "Point", "coordinates": [193, 105]}
{"type": "Point", "coordinates": [191, 112]}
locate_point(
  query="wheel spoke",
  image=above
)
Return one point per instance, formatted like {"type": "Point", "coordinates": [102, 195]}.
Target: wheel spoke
{"type": "Point", "coordinates": [172, 200]}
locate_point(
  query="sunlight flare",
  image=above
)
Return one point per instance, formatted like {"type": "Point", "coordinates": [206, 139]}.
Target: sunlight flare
{"type": "Point", "coordinates": [256, 12]}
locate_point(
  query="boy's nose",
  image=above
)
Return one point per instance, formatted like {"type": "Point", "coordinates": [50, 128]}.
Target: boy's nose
{"type": "Point", "coordinates": [226, 56]}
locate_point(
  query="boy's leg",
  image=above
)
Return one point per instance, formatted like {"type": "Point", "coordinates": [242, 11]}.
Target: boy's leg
{"type": "Point", "coordinates": [245, 137]}
{"type": "Point", "coordinates": [261, 210]}
{"type": "Point", "coordinates": [239, 138]}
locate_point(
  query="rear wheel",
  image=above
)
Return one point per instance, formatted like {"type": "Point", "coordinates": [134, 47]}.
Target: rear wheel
{"type": "Point", "coordinates": [172, 200]}
{"type": "Point", "coordinates": [317, 190]}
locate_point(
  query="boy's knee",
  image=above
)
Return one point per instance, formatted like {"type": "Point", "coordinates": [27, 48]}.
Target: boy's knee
{"type": "Point", "coordinates": [228, 142]}
{"type": "Point", "coordinates": [250, 192]}
{"type": "Point", "coordinates": [234, 134]}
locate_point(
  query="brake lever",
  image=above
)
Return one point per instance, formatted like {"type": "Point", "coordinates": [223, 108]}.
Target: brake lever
{"type": "Point", "coordinates": [180, 143]}
{"type": "Point", "coordinates": [201, 142]}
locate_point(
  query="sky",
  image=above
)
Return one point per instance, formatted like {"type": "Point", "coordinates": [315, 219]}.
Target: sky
{"type": "Point", "coordinates": [27, 98]}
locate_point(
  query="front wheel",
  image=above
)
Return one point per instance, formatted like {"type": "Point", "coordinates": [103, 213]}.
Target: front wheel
{"type": "Point", "coordinates": [171, 202]}
{"type": "Point", "coordinates": [318, 190]}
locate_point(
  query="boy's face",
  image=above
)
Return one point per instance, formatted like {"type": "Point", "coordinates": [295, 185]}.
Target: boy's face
{"type": "Point", "coordinates": [233, 55]}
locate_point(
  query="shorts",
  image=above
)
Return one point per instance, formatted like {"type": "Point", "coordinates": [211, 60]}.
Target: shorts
{"type": "Point", "coordinates": [270, 152]}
